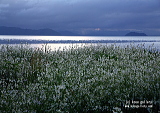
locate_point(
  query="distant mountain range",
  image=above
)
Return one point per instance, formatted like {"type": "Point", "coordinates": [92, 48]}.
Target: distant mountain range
{"type": "Point", "coordinates": [40, 32]}
{"type": "Point", "coordinates": [135, 34]}
{"type": "Point", "coordinates": [49, 32]}
{"type": "Point", "coordinates": [18, 31]}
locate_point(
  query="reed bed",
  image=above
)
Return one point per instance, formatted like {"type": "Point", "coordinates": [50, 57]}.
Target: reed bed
{"type": "Point", "coordinates": [95, 78]}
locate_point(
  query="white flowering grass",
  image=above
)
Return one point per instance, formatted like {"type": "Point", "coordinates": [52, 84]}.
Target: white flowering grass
{"type": "Point", "coordinates": [94, 78]}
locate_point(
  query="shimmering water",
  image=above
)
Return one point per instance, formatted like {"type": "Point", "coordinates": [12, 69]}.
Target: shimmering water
{"type": "Point", "coordinates": [146, 40]}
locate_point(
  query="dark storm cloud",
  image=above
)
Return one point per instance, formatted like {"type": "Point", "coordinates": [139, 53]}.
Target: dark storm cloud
{"type": "Point", "coordinates": [86, 15]}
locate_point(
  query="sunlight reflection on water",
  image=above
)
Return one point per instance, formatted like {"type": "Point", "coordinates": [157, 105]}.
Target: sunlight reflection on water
{"type": "Point", "coordinates": [60, 46]}
{"type": "Point", "coordinates": [80, 37]}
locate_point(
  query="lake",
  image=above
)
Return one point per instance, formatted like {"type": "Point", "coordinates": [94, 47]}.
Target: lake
{"type": "Point", "coordinates": [56, 42]}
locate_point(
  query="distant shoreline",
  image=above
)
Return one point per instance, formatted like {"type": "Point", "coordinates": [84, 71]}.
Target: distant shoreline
{"type": "Point", "coordinates": [24, 41]}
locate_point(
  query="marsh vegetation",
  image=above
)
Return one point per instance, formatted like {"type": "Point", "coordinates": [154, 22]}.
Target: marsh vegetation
{"type": "Point", "coordinates": [77, 79]}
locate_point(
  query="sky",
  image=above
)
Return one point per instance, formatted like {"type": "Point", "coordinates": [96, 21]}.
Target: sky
{"type": "Point", "coordinates": [83, 16]}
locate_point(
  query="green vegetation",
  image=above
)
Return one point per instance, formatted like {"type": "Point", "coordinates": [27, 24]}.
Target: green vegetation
{"type": "Point", "coordinates": [78, 79]}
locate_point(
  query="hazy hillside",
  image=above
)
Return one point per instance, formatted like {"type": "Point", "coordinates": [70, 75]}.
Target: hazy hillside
{"type": "Point", "coordinates": [135, 34]}
{"type": "Point", "coordinates": [19, 31]}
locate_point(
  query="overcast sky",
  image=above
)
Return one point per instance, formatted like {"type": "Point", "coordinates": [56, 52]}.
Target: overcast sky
{"type": "Point", "coordinates": [83, 16]}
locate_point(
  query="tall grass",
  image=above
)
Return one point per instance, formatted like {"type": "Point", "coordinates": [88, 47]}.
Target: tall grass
{"type": "Point", "coordinates": [77, 79]}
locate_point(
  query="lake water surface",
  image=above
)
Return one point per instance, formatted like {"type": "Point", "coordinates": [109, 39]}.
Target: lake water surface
{"type": "Point", "coordinates": [146, 40]}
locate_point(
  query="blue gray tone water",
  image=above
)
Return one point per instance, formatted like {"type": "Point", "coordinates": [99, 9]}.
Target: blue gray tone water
{"type": "Point", "coordinates": [64, 41]}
